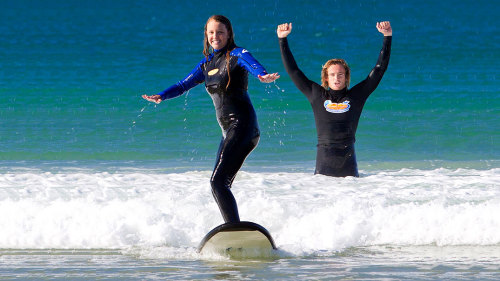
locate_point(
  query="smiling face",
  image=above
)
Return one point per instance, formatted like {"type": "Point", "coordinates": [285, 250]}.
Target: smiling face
{"type": "Point", "coordinates": [336, 77]}
{"type": "Point", "coordinates": [217, 34]}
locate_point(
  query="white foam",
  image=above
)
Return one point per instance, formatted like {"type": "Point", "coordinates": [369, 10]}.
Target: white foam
{"type": "Point", "coordinates": [304, 213]}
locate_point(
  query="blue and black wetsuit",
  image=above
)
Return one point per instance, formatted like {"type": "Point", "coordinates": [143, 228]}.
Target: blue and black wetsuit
{"type": "Point", "coordinates": [235, 114]}
{"type": "Point", "coordinates": [336, 113]}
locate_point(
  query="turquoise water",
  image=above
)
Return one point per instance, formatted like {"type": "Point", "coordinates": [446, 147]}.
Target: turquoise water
{"type": "Point", "coordinates": [72, 76]}
{"type": "Point", "coordinates": [80, 150]}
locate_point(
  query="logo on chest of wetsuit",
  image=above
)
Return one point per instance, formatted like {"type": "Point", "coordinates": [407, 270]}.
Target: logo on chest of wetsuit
{"type": "Point", "coordinates": [213, 71]}
{"type": "Point", "coordinates": [333, 107]}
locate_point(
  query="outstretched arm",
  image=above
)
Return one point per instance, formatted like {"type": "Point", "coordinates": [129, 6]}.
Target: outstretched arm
{"type": "Point", "coordinates": [253, 66]}
{"type": "Point", "coordinates": [194, 78]}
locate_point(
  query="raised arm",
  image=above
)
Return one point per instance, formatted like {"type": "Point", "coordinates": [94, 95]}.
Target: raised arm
{"type": "Point", "coordinates": [299, 79]}
{"type": "Point", "coordinates": [371, 82]}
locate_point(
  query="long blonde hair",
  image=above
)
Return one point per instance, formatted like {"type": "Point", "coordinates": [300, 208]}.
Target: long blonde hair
{"type": "Point", "coordinates": [324, 72]}
{"type": "Point", "coordinates": [207, 49]}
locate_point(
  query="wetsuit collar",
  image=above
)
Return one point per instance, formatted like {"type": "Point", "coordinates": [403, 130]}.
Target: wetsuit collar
{"type": "Point", "coordinates": [337, 93]}
{"type": "Point", "coordinates": [221, 50]}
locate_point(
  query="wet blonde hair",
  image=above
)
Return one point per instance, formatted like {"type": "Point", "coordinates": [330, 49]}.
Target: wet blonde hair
{"type": "Point", "coordinates": [324, 72]}
{"type": "Point", "coordinates": [207, 49]}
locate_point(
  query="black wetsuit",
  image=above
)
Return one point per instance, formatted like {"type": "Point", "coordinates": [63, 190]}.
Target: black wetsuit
{"type": "Point", "coordinates": [235, 114]}
{"type": "Point", "coordinates": [336, 112]}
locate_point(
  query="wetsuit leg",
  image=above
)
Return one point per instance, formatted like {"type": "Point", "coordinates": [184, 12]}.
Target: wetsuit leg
{"type": "Point", "coordinates": [233, 150]}
{"type": "Point", "coordinates": [336, 161]}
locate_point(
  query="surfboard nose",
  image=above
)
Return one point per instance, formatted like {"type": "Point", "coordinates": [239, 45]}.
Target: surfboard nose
{"type": "Point", "coordinates": [242, 238]}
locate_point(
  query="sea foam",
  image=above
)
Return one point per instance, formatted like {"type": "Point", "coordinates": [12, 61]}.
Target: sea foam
{"type": "Point", "coordinates": [85, 209]}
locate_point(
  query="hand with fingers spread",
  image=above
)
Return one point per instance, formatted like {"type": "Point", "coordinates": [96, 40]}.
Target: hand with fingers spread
{"type": "Point", "coordinates": [268, 78]}
{"type": "Point", "coordinates": [153, 98]}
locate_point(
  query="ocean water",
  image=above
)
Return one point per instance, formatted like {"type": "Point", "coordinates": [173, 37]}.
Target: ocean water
{"type": "Point", "coordinates": [96, 183]}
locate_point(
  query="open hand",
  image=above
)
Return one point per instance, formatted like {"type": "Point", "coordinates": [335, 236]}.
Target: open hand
{"type": "Point", "coordinates": [153, 98]}
{"type": "Point", "coordinates": [268, 78]}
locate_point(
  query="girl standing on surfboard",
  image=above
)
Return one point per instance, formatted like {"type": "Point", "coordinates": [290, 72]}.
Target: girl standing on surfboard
{"type": "Point", "coordinates": [225, 71]}
{"type": "Point", "coordinates": [336, 108]}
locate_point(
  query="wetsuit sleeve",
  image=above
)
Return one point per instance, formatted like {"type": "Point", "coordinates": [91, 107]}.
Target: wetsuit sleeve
{"type": "Point", "coordinates": [246, 60]}
{"type": "Point", "coordinates": [299, 79]}
{"type": "Point", "coordinates": [194, 78]}
{"type": "Point", "coordinates": [371, 82]}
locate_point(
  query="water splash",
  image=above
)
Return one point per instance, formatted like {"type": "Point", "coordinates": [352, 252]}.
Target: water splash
{"type": "Point", "coordinates": [277, 128]}
{"type": "Point", "coordinates": [139, 116]}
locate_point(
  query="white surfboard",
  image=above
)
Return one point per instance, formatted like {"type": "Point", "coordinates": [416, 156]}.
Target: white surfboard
{"type": "Point", "coordinates": [238, 240]}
